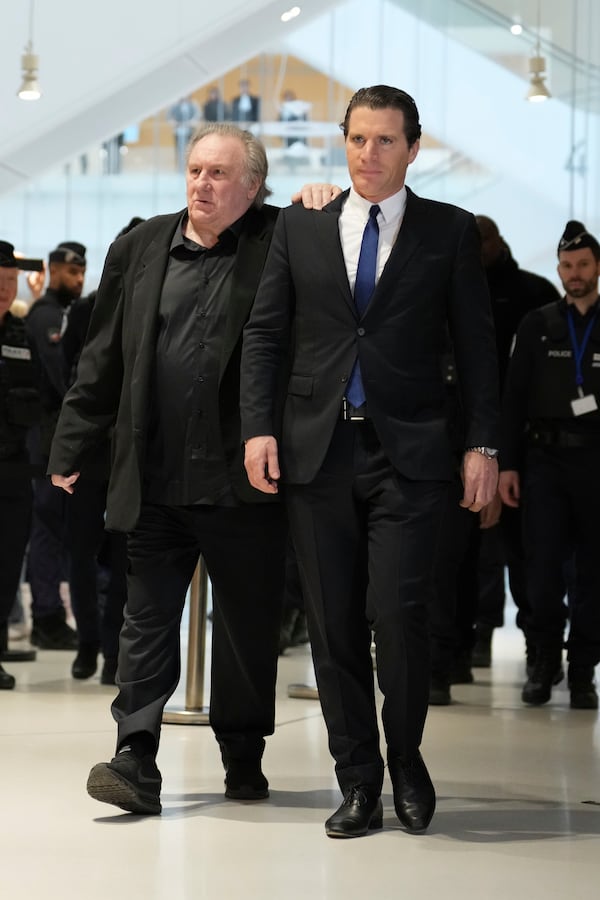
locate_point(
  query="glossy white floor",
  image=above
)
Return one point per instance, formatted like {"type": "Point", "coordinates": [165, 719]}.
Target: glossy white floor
{"type": "Point", "coordinates": [518, 802]}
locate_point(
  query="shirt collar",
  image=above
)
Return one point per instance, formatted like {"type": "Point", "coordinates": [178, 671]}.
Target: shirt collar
{"type": "Point", "coordinates": [231, 233]}
{"type": "Point", "coordinates": [391, 208]}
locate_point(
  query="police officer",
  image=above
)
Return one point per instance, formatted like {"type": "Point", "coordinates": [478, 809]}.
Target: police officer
{"type": "Point", "coordinates": [550, 413]}
{"type": "Point", "coordinates": [46, 324]}
{"type": "Point", "coordinates": [513, 293]}
{"type": "Point", "coordinates": [19, 409]}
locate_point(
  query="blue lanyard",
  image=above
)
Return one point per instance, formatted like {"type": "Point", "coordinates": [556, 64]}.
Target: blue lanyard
{"type": "Point", "coordinates": [579, 349]}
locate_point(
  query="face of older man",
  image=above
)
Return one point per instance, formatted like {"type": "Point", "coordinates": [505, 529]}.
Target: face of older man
{"type": "Point", "coordinates": [217, 189]}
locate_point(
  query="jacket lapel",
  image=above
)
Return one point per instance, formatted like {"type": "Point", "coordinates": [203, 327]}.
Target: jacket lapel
{"type": "Point", "coordinates": [253, 246]}
{"type": "Point", "coordinates": [329, 245]}
{"type": "Point", "coordinates": [409, 238]}
{"type": "Point", "coordinates": [147, 289]}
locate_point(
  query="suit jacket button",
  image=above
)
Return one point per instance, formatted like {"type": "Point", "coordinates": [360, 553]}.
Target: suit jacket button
{"type": "Point", "coordinates": [360, 331]}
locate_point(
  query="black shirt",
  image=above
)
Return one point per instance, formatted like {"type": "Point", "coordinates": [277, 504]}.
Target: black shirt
{"type": "Point", "coordinates": [185, 462]}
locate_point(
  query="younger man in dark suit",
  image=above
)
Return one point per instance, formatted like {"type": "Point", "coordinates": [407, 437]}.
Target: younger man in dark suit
{"type": "Point", "coordinates": [366, 457]}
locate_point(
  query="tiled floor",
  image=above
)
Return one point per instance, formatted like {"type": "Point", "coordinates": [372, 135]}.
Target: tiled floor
{"type": "Point", "coordinates": [518, 802]}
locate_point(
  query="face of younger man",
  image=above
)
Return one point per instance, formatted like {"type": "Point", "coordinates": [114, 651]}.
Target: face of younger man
{"type": "Point", "coordinates": [377, 152]}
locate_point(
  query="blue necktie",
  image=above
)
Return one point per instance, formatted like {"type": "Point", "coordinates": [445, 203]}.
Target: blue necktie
{"type": "Point", "coordinates": [366, 276]}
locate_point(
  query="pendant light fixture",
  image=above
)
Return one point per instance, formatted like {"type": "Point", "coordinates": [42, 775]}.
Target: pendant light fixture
{"type": "Point", "coordinates": [30, 89]}
{"type": "Point", "coordinates": [537, 66]}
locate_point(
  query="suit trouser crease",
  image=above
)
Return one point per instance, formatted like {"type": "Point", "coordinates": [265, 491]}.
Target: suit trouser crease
{"type": "Point", "coordinates": [365, 539]}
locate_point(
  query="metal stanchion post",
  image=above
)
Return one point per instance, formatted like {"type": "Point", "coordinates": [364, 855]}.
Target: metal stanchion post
{"type": "Point", "coordinates": [194, 712]}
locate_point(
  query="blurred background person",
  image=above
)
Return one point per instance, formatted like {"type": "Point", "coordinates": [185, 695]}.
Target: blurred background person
{"type": "Point", "coordinates": [246, 106]}
{"type": "Point", "coordinates": [46, 324]}
{"type": "Point", "coordinates": [293, 110]}
{"type": "Point", "coordinates": [215, 109]}
{"type": "Point", "coordinates": [185, 115]}
{"type": "Point", "coordinates": [19, 410]}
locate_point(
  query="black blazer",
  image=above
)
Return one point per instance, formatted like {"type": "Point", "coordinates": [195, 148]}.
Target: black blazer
{"type": "Point", "coordinates": [113, 376]}
{"type": "Point", "coordinates": [251, 115]}
{"type": "Point", "coordinates": [432, 283]}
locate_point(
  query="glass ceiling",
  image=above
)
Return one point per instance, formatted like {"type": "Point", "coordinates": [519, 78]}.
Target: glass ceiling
{"type": "Point", "coordinates": [568, 33]}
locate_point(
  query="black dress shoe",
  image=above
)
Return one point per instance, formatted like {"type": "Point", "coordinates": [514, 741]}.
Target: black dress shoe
{"type": "Point", "coordinates": [7, 682]}
{"type": "Point", "coordinates": [414, 794]}
{"type": "Point", "coordinates": [360, 812]}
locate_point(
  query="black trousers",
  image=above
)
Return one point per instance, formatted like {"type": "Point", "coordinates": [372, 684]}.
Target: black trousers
{"type": "Point", "coordinates": [561, 499]}
{"type": "Point", "coordinates": [97, 623]}
{"type": "Point", "coordinates": [365, 540]}
{"type": "Point", "coordinates": [502, 546]}
{"type": "Point", "coordinates": [15, 519]}
{"type": "Point", "coordinates": [47, 561]}
{"type": "Point", "coordinates": [244, 551]}
{"type": "Point", "coordinates": [453, 607]}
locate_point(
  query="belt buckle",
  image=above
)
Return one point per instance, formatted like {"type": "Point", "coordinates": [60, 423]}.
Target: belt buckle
{"type": "Point", "coordinates": [349, 413]}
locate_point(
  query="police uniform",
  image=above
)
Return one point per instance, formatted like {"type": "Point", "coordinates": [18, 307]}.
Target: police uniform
{"type": "Point", "coordinates": [513, 293]}
{"type": "Point", "coordinates": [19, 409]}
{"type": "Point", "coordinates": [46, 324]}
{"type": "Point", "coordinates": [551, 433]}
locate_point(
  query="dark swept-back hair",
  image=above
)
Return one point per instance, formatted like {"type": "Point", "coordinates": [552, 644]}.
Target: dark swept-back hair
{"type": "Point", "coordinates": [382, 96]}
{"type": "Point", "coordinates": [256, 167]}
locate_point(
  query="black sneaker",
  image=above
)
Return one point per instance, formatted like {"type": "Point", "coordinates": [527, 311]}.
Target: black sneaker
{"type": "Point", "coordinates": [129, 782]}
{"type": "Point", "coordinates": [244, 780]}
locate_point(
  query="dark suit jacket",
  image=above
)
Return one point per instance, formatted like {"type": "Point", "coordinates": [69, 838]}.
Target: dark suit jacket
{"type": "Point", "coordinates": [432, 281]}
{"type": "Point", "coordinates": [114, 372]}
{"type": "Point", "coordinates": [251, 115]}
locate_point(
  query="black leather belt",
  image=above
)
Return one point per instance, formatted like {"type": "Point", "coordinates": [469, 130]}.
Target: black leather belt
{"type": "Point", "coordinates": [354, 413]}
{"type": "Point", "coordinates": [541, 438]}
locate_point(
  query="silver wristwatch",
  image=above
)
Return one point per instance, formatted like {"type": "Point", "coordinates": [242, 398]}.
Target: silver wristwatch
{"type": "Point", "coordinates": [488, 452]}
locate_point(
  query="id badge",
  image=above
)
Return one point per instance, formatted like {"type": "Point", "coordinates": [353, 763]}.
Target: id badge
{"type": "Point", "coordinates": [583, 405]}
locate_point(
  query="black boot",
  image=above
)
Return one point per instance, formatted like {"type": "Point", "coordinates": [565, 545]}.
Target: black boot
{"type": "Point", "coordinates": [7, 682]}
{"type": "Point", "coordinates": [286, 632]}
{"type": "Point", "coordinates": [581, 686]}
{"type": "Point", "coordinates": [8, 655]}
{"type": "Point", "coordinates": [547, 671]}
{"type": "Point", "coordinates": [439, 690]}
{"type": "Point", "coordinates": [52, 632]}
{"type": "Point", "coordinates": [109, 670]}
{"type": "Point", "coordinates": [482, 650]}
{"type": "Point", "coordinates": [86, 661]}
{"type": "Point", "coordinates": [460, 672]}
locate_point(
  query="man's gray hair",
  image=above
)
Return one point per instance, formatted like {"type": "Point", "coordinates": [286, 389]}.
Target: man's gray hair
{"type": "Point", "coordinates": [256, 158]}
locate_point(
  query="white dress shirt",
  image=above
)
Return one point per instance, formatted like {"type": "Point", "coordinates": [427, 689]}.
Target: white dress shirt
{"type": "Point", "coordinates": [354, 217]}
